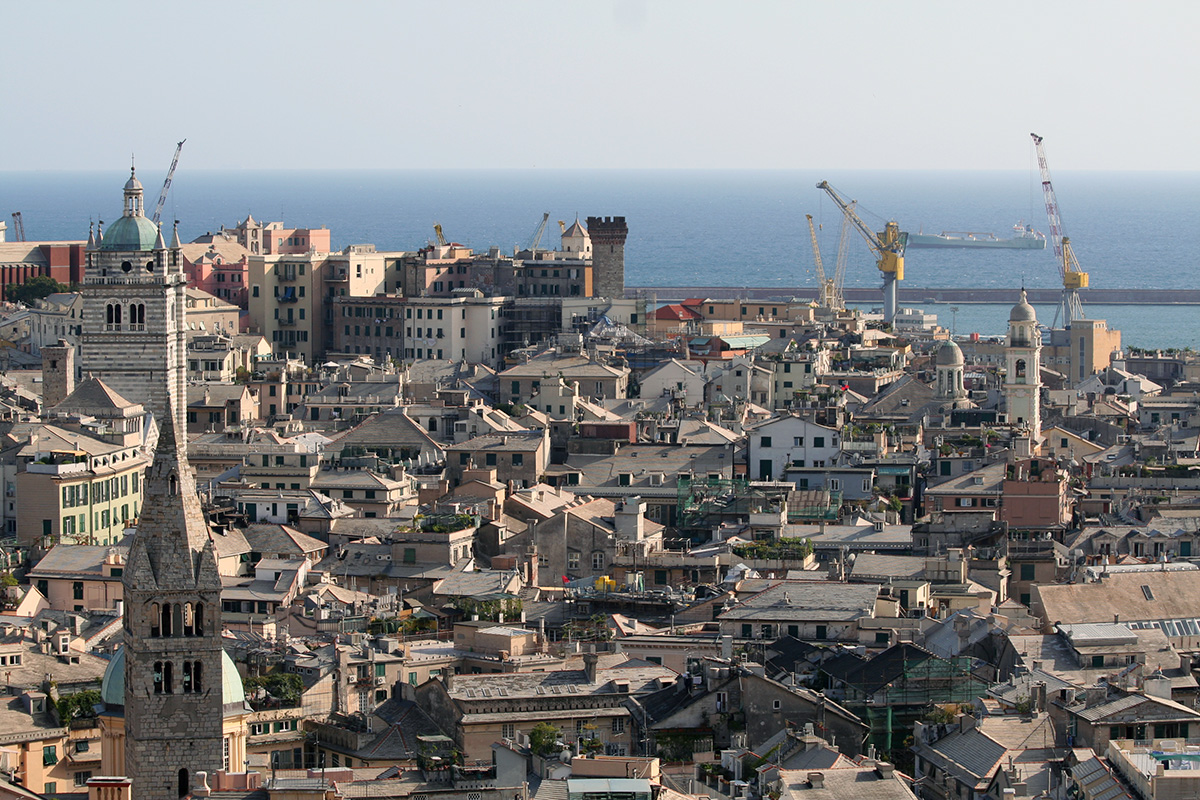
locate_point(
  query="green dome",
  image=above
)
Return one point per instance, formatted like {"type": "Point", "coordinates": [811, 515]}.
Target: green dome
{"type": "Point", "coordinates": [130, 233]}
{"type": "Point", "coordinates": [112, 687]}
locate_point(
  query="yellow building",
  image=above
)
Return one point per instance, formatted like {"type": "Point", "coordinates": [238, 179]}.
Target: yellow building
{"type": "Point", "coordinates": [77, 489]}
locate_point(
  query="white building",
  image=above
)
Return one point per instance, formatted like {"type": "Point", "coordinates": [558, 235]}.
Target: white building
{"type": "Point", "coordinates": [775, 443]}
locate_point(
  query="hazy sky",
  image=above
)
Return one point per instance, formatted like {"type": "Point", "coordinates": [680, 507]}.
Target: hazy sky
{"type": "Point", "coordinates": [601, 83]}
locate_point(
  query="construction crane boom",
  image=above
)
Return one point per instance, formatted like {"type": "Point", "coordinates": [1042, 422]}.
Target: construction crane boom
{"type": "Point", "coordinates": [162, 196]}
{"type": "Point", "coordinates": [441, 237]}
{"type": "Point", "coordinates": [829, 295]}
{"type": "Point", "coordinates": [812, 232]}
{"type": "Point", "coordinates": [18, 227]}
{"type": "Point", "coordinates": [843, 255]}
{"type": "Point", "coordinates": [1073, 278]}
{"type": "Point", "coordinates": [887, 247]}
{"type": "Point", "coordinates": [537, 235]}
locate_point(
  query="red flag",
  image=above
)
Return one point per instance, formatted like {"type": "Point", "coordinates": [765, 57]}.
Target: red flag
{"type": "Point", "coordinates": [565, 579]}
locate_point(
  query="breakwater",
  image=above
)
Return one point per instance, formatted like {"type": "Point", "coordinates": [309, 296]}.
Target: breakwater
{"type": "Point", "coordinates": [915, 295]}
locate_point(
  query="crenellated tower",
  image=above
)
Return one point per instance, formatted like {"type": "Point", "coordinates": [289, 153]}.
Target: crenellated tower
{"type": "Point", "coordinates": [172, 633]}
{"type": "Point", "coordinates": [608, 255]}
{"type": "Point", "coordinates": [134, 306]}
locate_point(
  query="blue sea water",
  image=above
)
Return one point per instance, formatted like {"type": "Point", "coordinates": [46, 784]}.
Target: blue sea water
{"type": "Point", "coordinates": [715, 228]}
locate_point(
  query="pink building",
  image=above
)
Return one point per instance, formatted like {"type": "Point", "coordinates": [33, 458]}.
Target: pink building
{"type": "Point", "coordinates": [1036, 496]}
{"type": "Point", "coordinates": [219, 266]}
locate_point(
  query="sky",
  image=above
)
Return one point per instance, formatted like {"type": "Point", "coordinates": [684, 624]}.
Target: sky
{"type": "Point", "coordinates": [548, 84]}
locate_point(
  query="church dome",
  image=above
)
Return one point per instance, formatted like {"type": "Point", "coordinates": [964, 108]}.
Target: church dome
{"type": "Point", "coordinates": [133, 184]}
{"type": "Point", "coordinates": [130, 233]}
{"type": "Point", "coordinates": [1021, 312]}
{"type": "Point", "coordinates": [112, 687]}
{"type": "Point", "coordinates": [949, 354]}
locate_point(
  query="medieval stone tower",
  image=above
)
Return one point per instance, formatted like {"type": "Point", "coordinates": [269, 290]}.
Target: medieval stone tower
{"type": "Point", "coordinates": [58, 373]}
{"type": "Point", "coordinates": [173, 657]}
{"type": "Point", "coordinates": [134, 302]}
{"type": "Point", "coordinates": [608, 255]}
{"type": "Point", "coordinates": [1023, 358]}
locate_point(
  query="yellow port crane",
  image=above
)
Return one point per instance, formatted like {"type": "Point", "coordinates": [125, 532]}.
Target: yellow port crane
{"type": "Point", "coordinates": [829, 294]}
{"type": "Point", "coordinates": [887, 247]}
{"type": "Point", "coordinates": [1070, 307]}
{"type": "Point", "coordinates": [441, 237]}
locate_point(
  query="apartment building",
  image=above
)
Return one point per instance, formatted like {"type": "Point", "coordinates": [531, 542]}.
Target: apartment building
{"type": "Point", "coordinates": [466, 327]}
{"type": "Point", "coordinates": [72, 487]}
{"type": "Point", "coordinates": [289, 292]}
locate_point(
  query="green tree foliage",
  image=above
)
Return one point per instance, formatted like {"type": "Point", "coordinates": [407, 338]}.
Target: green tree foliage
{"type": "Point", "coordinates": [80, 705]}
{"type": "Point", "coordinates": [542, 738]}
{"type": "Point", "coordinates": [34, 289]}
{"type": "Point", "coordinates": [283, 690]}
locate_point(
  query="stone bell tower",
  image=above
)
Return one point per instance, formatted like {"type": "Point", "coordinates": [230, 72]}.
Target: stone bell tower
{"type": "Point", "coordinates": [172, 634]}
{"type": "Point", "coordinates": [1023, 379]}
{"type": "Point", "coordinates": [134, 306]}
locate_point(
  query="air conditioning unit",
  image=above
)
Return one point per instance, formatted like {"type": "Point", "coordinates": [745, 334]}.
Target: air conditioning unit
{"type": "Point", "coordinates": [380, 680]}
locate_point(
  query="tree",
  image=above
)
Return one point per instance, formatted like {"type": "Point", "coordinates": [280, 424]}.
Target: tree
{"type": "Point", "coordinates": [542, 738]}
{"type": "Point", "coordinates": [34, 289]}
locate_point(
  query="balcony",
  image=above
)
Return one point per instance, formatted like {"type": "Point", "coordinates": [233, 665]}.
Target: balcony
{"type": "Point", "coordinates": [337, 276]}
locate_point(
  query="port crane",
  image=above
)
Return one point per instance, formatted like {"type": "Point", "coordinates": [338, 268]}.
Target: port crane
{"type": "Point", "coordinates": [829, 291]}
{"type": "Point", "coordinates": [887, 247]}
{"type": "Point", "coordinates": [162, 196]}
{"type": "Point", "coordinates": [1073, 278]}
{"type": "Point", "coordinates": [441, 237]}
{"type": "Point", "coordinates": [18, 227]}
{"type": "Point", "coordinates": [537, 235]}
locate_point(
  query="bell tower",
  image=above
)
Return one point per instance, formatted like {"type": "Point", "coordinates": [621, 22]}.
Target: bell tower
{"type": "Point", "coordinates": [1023, 358]}
{"type": "Point", "coordinates": [134, 306]}
{"type": "Point", "coordinates": [172, 633]}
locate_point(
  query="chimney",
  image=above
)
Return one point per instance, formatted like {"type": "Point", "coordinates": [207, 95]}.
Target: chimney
{"type": "Point", "coordinates": [1038, 697]}
{"type": "Point", "coordinates": [448, 678]}
{"type": "Point", "coordinates": [884, 770]}
{"type": "Point", "coordinates": [816, 780]}
{"type": "Point", "coordinates": [589, 663]}
{"type": "Point", "coordinates": [727, 647]}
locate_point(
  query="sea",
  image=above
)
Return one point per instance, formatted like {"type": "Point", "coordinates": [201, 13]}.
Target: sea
{"type": "Point", "coordinates": [703, 227]}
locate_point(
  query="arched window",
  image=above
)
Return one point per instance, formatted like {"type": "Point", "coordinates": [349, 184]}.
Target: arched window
{"type": "Point", "coordinates": [177, 614]}
{"type": "Point", "coordinates": [1021, 369]}
{"type": "Point", "coordinates": [199, 619]}
{"type": "Point", "coordinates": [166, 620]}
{"type": "Point", "coordinates": [155, 620]}
{"type": "Point", "coordinates": [158, 677]}
{"type": "Point", "coordinates": [137, 316]}
{"type": "Point", "coordinates": [187, 677]}
{"type": "Point", "coordinates": [173, 485]}
{"type": "Point", "coordinates": [183, 783]}
{"type": "Point", "coordinates": [168, 678]}
{"type": "Point", "coordinates": [189, 625]}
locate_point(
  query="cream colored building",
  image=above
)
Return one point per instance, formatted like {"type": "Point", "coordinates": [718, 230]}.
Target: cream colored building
{"type": "Point", "coordinates": [76, 489]}
{"type": "Point", "coordinates": [209, 314]}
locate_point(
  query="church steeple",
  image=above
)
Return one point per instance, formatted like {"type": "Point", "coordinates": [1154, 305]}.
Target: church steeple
{"type": "Point", "coordinates": [172, 530]}
{"type": "Point", "coordinates": [172, 633]}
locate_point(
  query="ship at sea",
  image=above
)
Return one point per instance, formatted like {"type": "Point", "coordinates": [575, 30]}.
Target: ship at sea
{"type": "Point", "coordinates": [1024, 238]}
